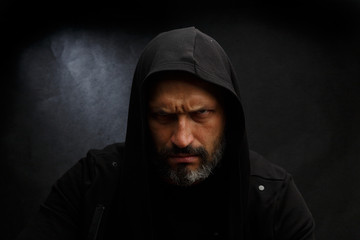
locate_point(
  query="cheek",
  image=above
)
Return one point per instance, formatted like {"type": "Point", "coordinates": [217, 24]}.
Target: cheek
{"type": "Point", "coordinates": [159, 134]}
{"type": "Point", "coordinates": [208, 135]}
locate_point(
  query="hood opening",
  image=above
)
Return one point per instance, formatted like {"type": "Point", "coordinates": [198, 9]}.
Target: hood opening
{"type": "Point", "coordinates": [194, 52]}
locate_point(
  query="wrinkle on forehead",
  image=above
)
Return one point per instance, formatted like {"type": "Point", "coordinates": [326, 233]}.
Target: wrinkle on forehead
{"type": "Point", "coordinates": [182, 104]}
{"type": "Point", "coordinates": [179, 96]}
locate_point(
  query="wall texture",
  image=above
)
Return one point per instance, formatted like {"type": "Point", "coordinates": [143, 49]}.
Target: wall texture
{"type": "Point", "coordinates": [66, 79]}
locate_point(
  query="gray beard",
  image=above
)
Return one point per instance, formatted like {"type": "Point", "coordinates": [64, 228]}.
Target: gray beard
{"type": "Point", "coordinates": [182, 176]}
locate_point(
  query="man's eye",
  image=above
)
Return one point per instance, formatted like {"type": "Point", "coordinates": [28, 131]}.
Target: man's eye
{"type": "Point", "coordinates": [163, 116]}
{"type": "Point", "coordinates": [158, 113]}
{"type": "Point", "coordinates": [201, 114]}
{"type": "Point", "coordinates": [203, 111]}
{"type": "Point", "coordinates": [161, 113]}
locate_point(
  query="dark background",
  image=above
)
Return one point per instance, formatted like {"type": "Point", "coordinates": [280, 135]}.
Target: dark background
{"type": "Point", "coordinates": [66, 75]}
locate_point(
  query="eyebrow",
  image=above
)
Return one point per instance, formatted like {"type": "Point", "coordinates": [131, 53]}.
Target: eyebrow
{"type": "Point", "coordinates": [169, 110]}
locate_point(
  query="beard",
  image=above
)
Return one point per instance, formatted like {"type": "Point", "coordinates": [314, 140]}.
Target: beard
{"type": "Point", "coordinates": [181, 175]}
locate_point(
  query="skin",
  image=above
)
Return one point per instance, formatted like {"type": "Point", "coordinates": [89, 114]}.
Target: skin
{"type": "Point", "coordinates": [184, 111]}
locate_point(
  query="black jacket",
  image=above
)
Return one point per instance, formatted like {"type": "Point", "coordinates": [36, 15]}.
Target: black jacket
{"type": "Point", "coordinates": [112, 193]}
{"type": "Point", "coordinates": [81, 202]}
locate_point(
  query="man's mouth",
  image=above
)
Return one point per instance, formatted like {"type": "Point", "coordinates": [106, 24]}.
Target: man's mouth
{"type": "Point", "coordinates": [183, 158]}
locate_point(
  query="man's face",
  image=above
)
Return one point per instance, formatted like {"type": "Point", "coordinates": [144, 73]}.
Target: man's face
{"type": "Point", "coordinates": [187, 123]}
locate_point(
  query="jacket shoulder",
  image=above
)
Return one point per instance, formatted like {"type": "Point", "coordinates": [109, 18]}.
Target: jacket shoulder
{"type": "Point", "coordinates": [262, 168]}
{"type": "Point", "coordinates": [110, 155]}
{"type": "Point", "coordinates": [277, 207]}
{"type": "Point", "coordinates": [103, 166]}
{"type": "Point", "coordinates": [112, 150]}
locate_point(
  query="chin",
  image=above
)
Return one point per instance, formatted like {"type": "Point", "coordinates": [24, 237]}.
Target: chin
{"type": "Point", "coordinates": [187, 166]}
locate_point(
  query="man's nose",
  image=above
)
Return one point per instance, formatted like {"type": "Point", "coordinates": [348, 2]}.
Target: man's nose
{"type": "Point", "coordinates": [182, 135]}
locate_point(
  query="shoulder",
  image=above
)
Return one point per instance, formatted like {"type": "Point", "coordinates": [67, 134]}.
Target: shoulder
{"type": "Point", "coordinates": [268, 181]}
{"type": "Point", "coordinates": [276, 205]}
{"type": "Point", "coordinates": [108, 157]}
{"type": "Point", "coordinates": [264, 169]}
{"type": "Point", "coordinates": [110, 151]}
{"type": "Point", "coordinates": [99, 163]}
{"type": "Point", "coordinates": [111, 154]}
{"type": "Point", "coordinates": [100, 172]}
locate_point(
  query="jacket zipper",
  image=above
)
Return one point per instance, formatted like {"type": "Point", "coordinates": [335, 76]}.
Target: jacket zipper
{"type": "Point", "coordinates": [96, 221]}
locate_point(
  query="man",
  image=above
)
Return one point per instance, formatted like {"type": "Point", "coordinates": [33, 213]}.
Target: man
{"type": "Point", "coordinates": [185, 170]}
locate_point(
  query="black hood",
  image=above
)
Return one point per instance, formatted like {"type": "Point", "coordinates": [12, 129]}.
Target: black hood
{"type": "Point", "coordinates": [190, 50]}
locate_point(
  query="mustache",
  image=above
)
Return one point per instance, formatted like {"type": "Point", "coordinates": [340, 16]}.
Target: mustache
{"type": "Point", "coordinates": [189, 150]}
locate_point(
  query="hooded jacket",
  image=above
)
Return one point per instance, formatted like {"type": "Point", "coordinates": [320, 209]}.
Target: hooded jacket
{"type": "Point", "coordinates": [112, 194]}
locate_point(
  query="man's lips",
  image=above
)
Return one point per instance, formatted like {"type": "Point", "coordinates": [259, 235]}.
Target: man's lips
{"type": "Point", "coordinates": [183, 158]}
